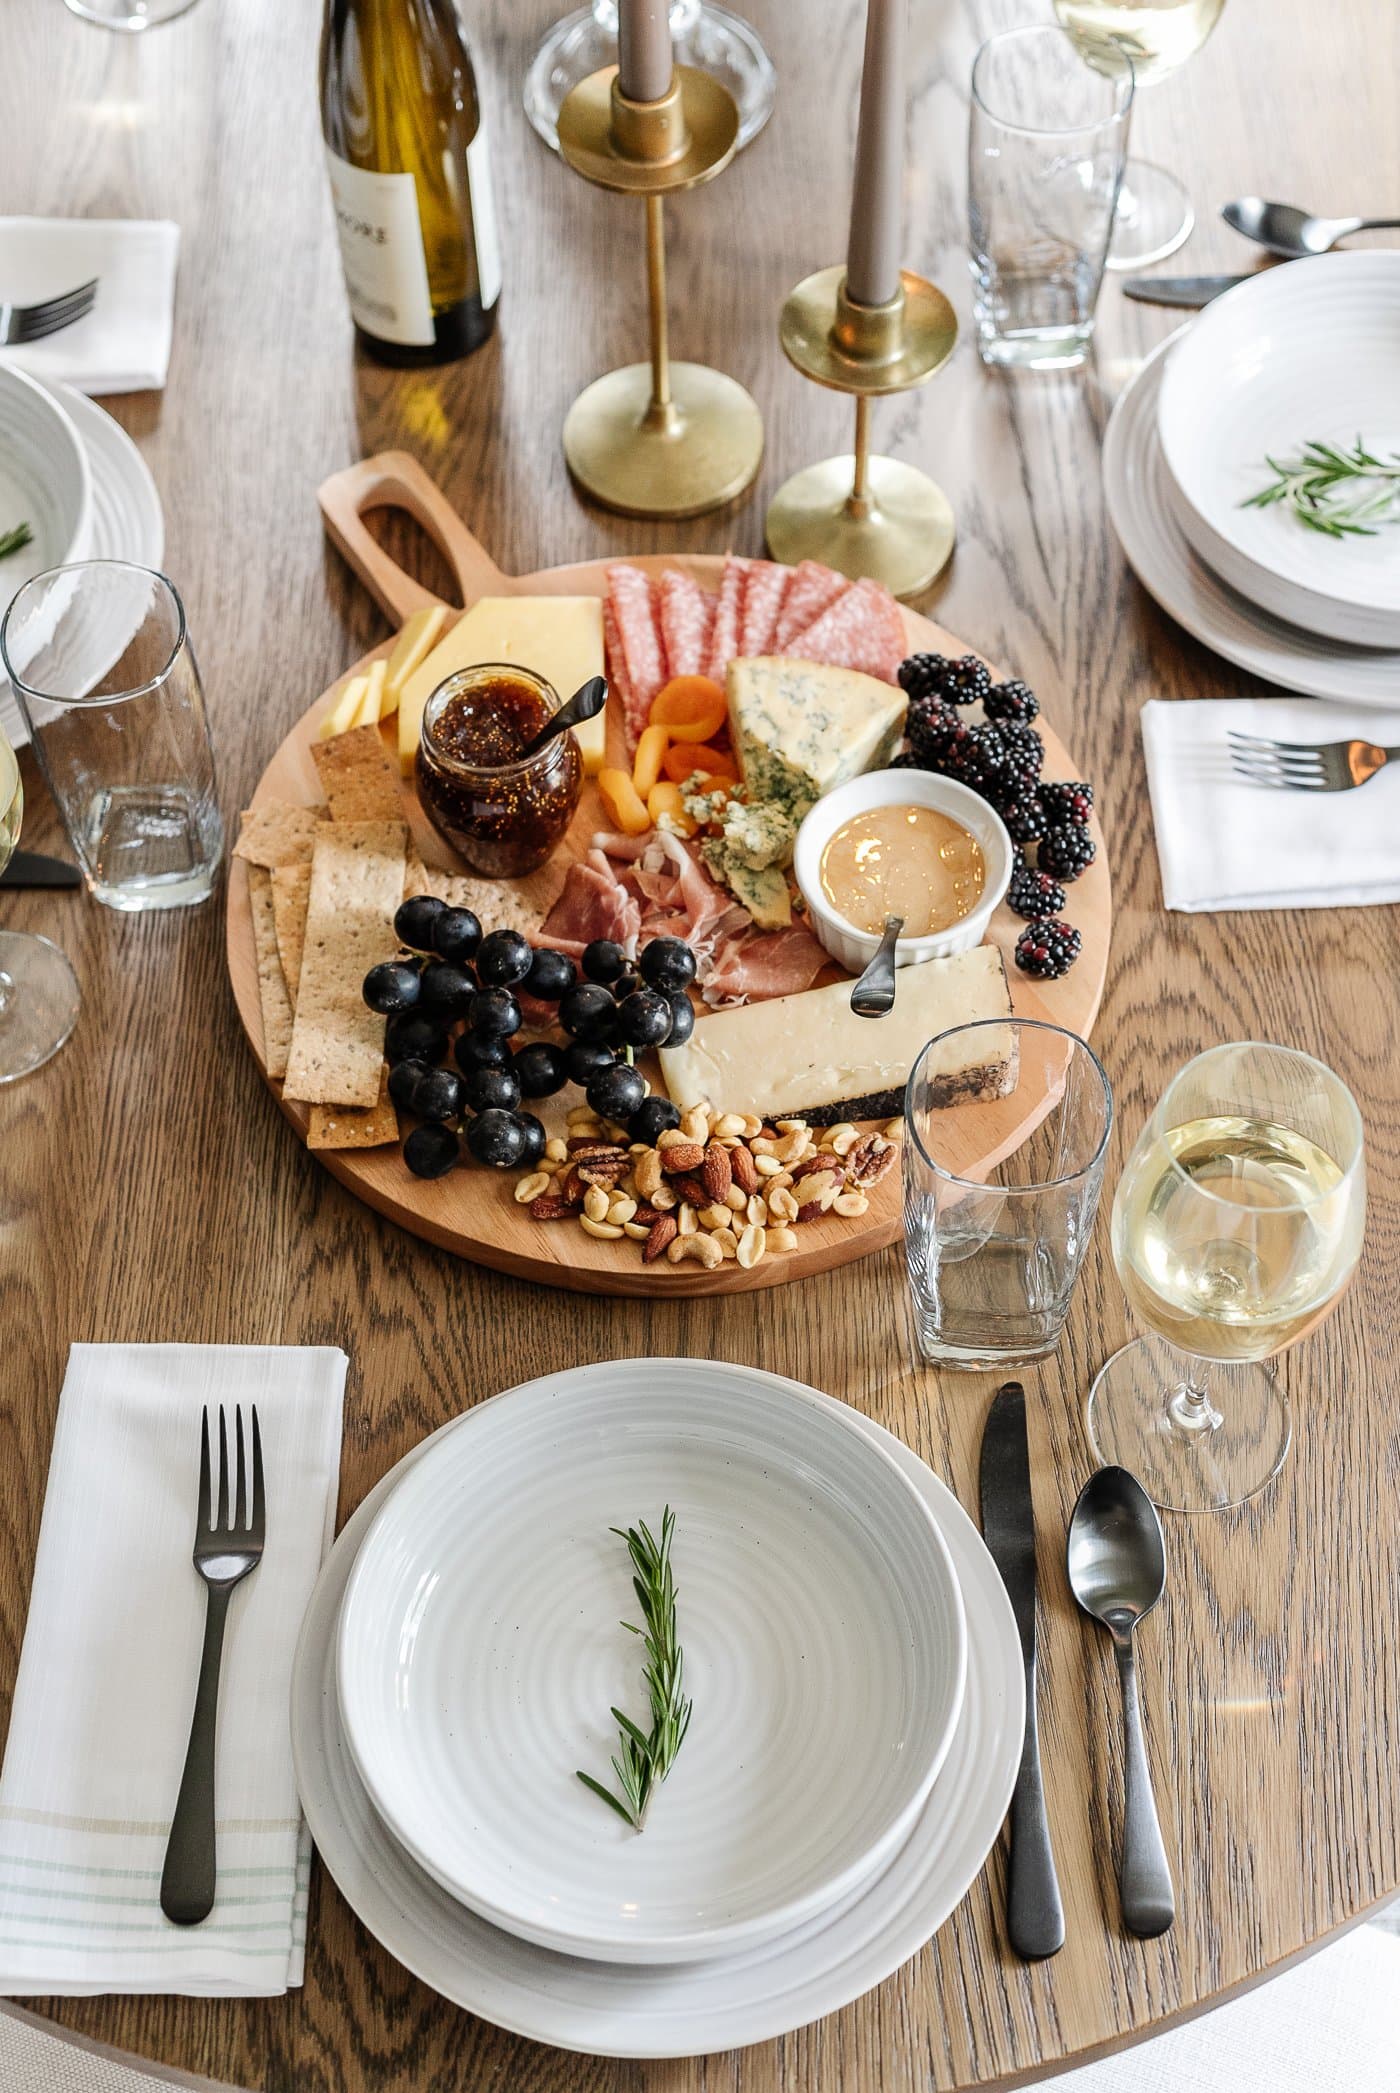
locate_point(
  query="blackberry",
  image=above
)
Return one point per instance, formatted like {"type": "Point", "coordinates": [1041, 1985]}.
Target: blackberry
{"type": "Point", "coordinates": [1048, 949]}
{"type": "Point", "coordinates": [1012, 700]}
{"type": "Point", "coordinates": [930, 732]}
{"type": "Point", "coordinates": [1024, 743]}
{"type": "Point", "coordinates": [1034, 895]}
{"type": "Point", "coordinates": [1023, 818]}
{"type": "Point", "coordinates": [921, 676]}
{"type": "Point", "coordinates": [1066, 851]}
{"type": "Point", "coordinates": [1067, 801]}
{"type": "Point", "coordinates": [966, 680]}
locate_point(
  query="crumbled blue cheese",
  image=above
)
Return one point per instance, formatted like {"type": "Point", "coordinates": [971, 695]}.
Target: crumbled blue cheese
{"type": "Point", "coordinates": [758, 836]}
{"type": "Point", "coordinates": [799, 727]}
{"type": "Point", "coordinates": [764, 892]}
{"type": "Point", "coordinates": [704, 807]}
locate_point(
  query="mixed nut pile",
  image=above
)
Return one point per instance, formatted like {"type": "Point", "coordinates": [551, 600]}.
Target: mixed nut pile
{"type": "Point", "coordinates": [709, 1189]}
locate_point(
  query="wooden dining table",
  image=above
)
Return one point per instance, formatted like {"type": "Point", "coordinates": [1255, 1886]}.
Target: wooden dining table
{"type": "Point", "coordinates": [150, 1189]}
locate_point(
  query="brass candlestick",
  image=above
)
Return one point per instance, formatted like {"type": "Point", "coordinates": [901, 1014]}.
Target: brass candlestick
{"type": "Point", "coordinates": [657, 438]}
{"type": "Point", "coordinates": [864, 515]}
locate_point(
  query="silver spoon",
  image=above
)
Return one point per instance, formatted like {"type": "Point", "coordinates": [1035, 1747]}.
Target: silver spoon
{"type": "Point", "coordinates": [1285, 230]}
{"type": "Point", "coordinates": [1117, 1572]}
{"type": "Point", "coordinates": [873, 994]}
{"type": "Point", "coordinates": [586, 703]}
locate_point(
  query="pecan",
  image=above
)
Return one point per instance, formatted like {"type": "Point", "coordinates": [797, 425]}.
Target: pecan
{"type": "Point", "coordinates": [548, 1207]}
{"type": "Point", "coordinates": [681, 1158]}
{"type": "Point", "coordinates": [582, 1146]}
{"type": "Point", "coordinates": [604, 1170]}
{"type": "Point", "coordinates": [742, 1169]}
{"type": "Point", "coordinates": [569, 1186]}
{"type": "Point", "coordinates": [870, 1160]}
{"type": "Point", "coordinates": [717, 1174]}
{"type": "Point", "coordinates": [663, 1231]}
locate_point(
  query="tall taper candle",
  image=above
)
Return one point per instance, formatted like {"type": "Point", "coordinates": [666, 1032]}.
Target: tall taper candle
{"type": "Point", "coordinates": [873, 255]}
{"type": "Point", "coordinates": [644, 49]}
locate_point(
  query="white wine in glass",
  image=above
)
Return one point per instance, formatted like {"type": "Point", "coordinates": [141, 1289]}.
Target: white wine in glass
{"type": "Point", "coordinates": [38, 992]}
{"type": "Point", "coordinates": [1237, 1225]}
{"type": "Point", "coordinates": [1154, 214]}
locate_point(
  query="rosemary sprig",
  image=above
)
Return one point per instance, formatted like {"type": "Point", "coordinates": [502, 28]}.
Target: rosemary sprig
{"type": "Point", "coordinates": [14, 540]}
{"type": "Point", "coordinates": [642, 1761]}
{"type": "Point", "coordinates": [1312, 485]}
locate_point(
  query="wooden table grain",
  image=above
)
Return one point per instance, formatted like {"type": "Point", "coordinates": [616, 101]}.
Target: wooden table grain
{"type": "Point", "coordinates": [150, 1190]}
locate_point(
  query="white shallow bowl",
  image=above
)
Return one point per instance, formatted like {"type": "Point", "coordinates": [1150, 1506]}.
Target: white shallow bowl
{"type": "Point", "coordinates": [854, 949]}
{"type": "Point", "coordinates": [45, 480]}
{"type": "Point", "coordinates": [480, 1650]}
{"type": "Point", "coordinates": [688, 2009]}
{"type": "Point", "coordinates": [1307, 352]}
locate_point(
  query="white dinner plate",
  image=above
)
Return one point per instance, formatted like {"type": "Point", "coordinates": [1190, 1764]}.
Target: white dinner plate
{"type": "Point", "coordinates": [482, 1647]}
{"type": "Point", "coordinates": [1136, 488]}
{"type": "Point", "coordinates": [127, 523]}
{"type": "Point", "coordinates": [1310, 352]}
{"type": "Point", "coordinates": [45, 480]}
{"type": "Point", "coordinates": [617, 2009]}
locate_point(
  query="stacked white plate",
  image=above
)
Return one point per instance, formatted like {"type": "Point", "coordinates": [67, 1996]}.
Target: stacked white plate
{"type": "Point", "coordinates": [1308, 352]}
{"type": "Point", "coordinates": [848, 1647]}
{"type": "Point", "coordinates": [75, 477]}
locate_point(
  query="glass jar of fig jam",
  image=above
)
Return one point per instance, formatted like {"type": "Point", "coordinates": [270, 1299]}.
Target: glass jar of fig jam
{"type": "Point", "coordinates": [502, 812]}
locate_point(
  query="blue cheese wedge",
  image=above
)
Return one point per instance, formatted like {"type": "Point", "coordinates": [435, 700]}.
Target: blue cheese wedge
{"type": "Point", "coordinates": [799, 727]}
{"type": "Point", "coordinates": [810, 1057]}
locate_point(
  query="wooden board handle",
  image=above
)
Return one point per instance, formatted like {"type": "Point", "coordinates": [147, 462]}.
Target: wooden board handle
{"type": "Point", "coordinates": [394, 480]}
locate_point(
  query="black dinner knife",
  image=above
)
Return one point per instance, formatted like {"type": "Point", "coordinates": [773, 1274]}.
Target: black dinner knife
{"type": "Point", "coordinates": [1035, 1916]}
{"type": "Point", "coordinates": [29, 868]}
{"type": "Point", "coordinates": [1191, 291]}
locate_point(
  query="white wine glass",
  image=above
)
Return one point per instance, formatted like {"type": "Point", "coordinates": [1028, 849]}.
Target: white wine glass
{"type": "Point", "coordinates": [1154, 215]}
{"type": "Point", "coordinates": [720, 43]}
{"type": "Point", "coordinates": [1237, 1225]}
{"type": "Point", "coordinates": [38, 992]}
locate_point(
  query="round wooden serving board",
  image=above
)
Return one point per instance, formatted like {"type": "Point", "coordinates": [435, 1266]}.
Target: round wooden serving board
{"type": "Point", "coordinates": [471, 1211]}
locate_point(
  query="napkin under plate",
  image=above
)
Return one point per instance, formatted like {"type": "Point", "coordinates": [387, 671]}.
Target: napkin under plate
{"type": "Point", "coordinates": [123, 344]}
{"type": "Point", "coordinates": [1223, 843]}
{"type": "Point", "coordinates": [107, 1675]}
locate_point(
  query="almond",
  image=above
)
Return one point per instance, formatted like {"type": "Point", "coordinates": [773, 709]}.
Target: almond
{"type": "Point", "coordinates": [743, 1170]}
{"type": "Point", "coordinates": [692, 1189]}
{"type": "Point", "coordinates": [717, 1173]}
{"type": "Point", "coordinates": [681, 1158]}
{"type": "Point", "coordinates": [549, 1208]}
{"type": "Point", "coordinates": [663, 1231]}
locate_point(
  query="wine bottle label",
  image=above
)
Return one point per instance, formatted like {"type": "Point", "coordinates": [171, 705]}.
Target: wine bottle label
{"type": "Point", "coordinates": [488, 238]}
{"type": "Point", "coordinates": [381, 249]}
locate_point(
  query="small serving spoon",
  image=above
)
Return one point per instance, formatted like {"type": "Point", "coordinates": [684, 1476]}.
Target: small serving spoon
{"type": "Point", "coordinates": [873, 994]}
{"type": "Point", "coordinates": [1286, 230]}
{"type": "Point", "coordinates": [1117, 1572]}
{"type": "Point", "coordinates": [586, 703]}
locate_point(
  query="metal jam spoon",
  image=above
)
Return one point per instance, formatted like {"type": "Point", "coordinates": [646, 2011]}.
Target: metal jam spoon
{"type": "Point", "coordinates": [873, 994]}
{"type": "Point", "coordinates": [586, 703]}
{"type": "Point", "coordinates": [1285, 230]}
{"type": "Point", "coordinates": [1117, 1572]}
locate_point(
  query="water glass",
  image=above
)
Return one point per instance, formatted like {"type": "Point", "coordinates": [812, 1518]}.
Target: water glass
{"type": "Point", "coordinates": [105, 675]}
{"type": "Point", "coordinates": [1045, 161]}
{"type": "Point", "coordinates": [131, 16]}
{"type": "Point", "coordinates": [1000, 1195]}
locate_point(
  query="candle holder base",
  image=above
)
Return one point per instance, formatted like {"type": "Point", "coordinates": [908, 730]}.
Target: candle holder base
{"type": "Point", "coordinates": [697, 452]}
{"type": "Point", "coordinates": [900, 533]}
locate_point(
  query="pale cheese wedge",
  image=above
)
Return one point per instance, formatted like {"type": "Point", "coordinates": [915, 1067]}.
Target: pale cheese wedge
{"type": "Point", "coordinates": [342, 713]}
{"type": "Point", "coordinates": [412, 647]}
{"type": "Point", "coordinates": [558, 637]}
{"type": "Point", "coordinates": [367, 712]}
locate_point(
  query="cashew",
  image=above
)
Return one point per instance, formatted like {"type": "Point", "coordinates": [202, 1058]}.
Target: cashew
{"type": "Point", "coordinates": [648, 1174]}
{"type": "Point", "coordinates": [695, 1124]}
{"type": "Point", "coordinates": [751, 1246]}
{"type": "Point", "coordinates": [893, 1130]}
{"type": "Point", "coordinates": [672, 1135]}
{"type": "Point", "coordinates": [794, 1146]}
{"type": "Point", "coordinates": [791, 1126]}
{"type": "Point", "coordinates": [703, 1248]}
{"type": "Point", "coordinates": [760, 1146]}
{"type": "Point", "coordinates": [530, 1187]}
{"type": "Point", "coordinates": [752, 1125]}
{"type": "Point", "coordinates": [603, 1229]}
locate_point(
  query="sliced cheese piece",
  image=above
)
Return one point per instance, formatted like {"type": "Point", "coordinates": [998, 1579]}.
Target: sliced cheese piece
{"type": "Point", "coordinates": [810, 1057]}
{"type": "Point", "coordinates": [416, 638]}
{"type": "Point", "coordinates": [800, 727]}
{"type": "Point", "coordinates": [367, 711]}
{"type": "Point", "coordinates": [559, 637]}
{"type": "Point", "coordinates": [342, 713]}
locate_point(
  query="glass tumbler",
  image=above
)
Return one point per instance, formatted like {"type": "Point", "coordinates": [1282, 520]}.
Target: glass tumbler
{"type": "Point", "coordinates": [105, 675]}
{"type": "Point", "coordinates": [1046, 144]}
{"type": "Point", "coordinates": [1000, 1194]}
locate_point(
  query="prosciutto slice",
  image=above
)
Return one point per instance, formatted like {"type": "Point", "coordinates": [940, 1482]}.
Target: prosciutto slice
{"type": "Point", "coordinates": [593, 904]}
{"type": "Point", "coordinates": [758, 964]}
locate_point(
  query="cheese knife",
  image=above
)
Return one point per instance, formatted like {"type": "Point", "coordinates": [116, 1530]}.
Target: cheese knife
{"type": "Point", "coordinates": [29, 868]}
{"type": "Point", "coordinates": [1190, 291]}
{"type": "Point", "coordinates": [1034, 1914]}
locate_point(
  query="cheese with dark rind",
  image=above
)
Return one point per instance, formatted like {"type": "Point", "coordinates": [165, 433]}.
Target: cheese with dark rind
{"type": "Point", "coordinates": [810, 1057]}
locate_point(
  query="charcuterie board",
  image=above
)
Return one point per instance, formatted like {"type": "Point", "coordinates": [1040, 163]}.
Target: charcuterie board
{"type": "Point", "coordinates": [471, 1212]}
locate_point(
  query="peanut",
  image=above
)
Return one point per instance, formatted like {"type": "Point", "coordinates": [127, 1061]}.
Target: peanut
{"type": "Point", "coordinates": [728, 1126]}
{"type": "Point", "coordinates": [736, 1198]}
{"type": "Point", "coordinates": [595, 1203]}
{"type": "Point", "coordinates": [639, 1231]}
{"type": "Point", "coordinates": [752, 1126]}
{"type": "Point", "coordinates": [686, 1220]}
{"type": "Point", "coordinates": [850, 1204]}
{"type": "Point", "coordinates": [782, 1206]}
{"type": "Point", "coordinates": [791, 1126]}
{"type": "Point", "coordinates": [703, 1248]}
{"type": "Point", "coordinates": [751, 1246]}
{"type": "Point", "coordinates": [767, 1166]}
{"type": "Point", "coordinates": [842, 1139]}
{"type": "Point", "coordinates": [715, 1217]}
{"type": "Point", "coordinates": [663, 1199]}
{"type": "Point", "coordinates": [530, 1187]}
{"type": "Point", "coordinates": [780, 1239]}
{"type": "Point", "coordinates": [603, 1229]}
{"type": "Point", "coordinates": [555, 1150]}
{"type": "Point", "coordinates": [621, 1208]}
{"type": "Point", "coordinates": [893, 1130]}
{"type": "Point", "coordinates": [756, 1210]}
{"type": "Point", "coordinates": [727, 1243]}
{"type": "Point", "coordinates": [583, 1119]}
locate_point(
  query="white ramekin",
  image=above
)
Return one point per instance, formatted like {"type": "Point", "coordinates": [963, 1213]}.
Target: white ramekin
{"type": "Point", "coordinates": [854, 949]}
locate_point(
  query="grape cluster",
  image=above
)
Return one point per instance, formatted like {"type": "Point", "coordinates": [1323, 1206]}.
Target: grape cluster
{"type": "Point", "coordinates": [453, 974]}
{"type": "Point", "coordinates": [1001, 757]}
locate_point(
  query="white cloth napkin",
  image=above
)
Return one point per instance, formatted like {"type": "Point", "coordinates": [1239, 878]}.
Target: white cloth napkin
{"type": "Point", "coordinates": [107, 1678]}
{"type": "Point", "coordinates": [1223, 843]}
{"type": "Point", "coordinates": [123, 345]}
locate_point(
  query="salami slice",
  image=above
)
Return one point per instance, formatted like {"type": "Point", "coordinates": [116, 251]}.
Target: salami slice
{"type": "Point", "coordinates": [814, 589]}
{"type": "Point", "coordinates": [687, 617]}
{"type": "Point", "coordinates": [729, 613]}
{"type": "Point", "coordinates": [639, 644]}
{"type": "Point", "coordinates": [863, 629]}
{"type": "Point", "coordinates": [763, 596]}
{"type": "Point", "coordinates": [619, 682]}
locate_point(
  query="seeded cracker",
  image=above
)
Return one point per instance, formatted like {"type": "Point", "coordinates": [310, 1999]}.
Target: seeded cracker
{"type": "Point", "coordinates": [337, 1047]}
{"type": "Point", "coordinates": [358, 777]}
{"type": "Point", "coordinates": [345, 1126]}
{"type": "Point", "coordinates": [277, 833]}
{"type": "Point", "coordinates": [291, 890]}
{"type": "Point", "coordinates": [272, 990]}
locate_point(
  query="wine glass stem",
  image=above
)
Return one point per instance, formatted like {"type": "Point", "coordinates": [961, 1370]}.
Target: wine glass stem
{"type": "Point", "coordinates": [1191, 1408]}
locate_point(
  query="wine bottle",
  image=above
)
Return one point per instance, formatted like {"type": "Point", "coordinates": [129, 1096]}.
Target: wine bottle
{"type": "Point", "coordinates": [410, 178]}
